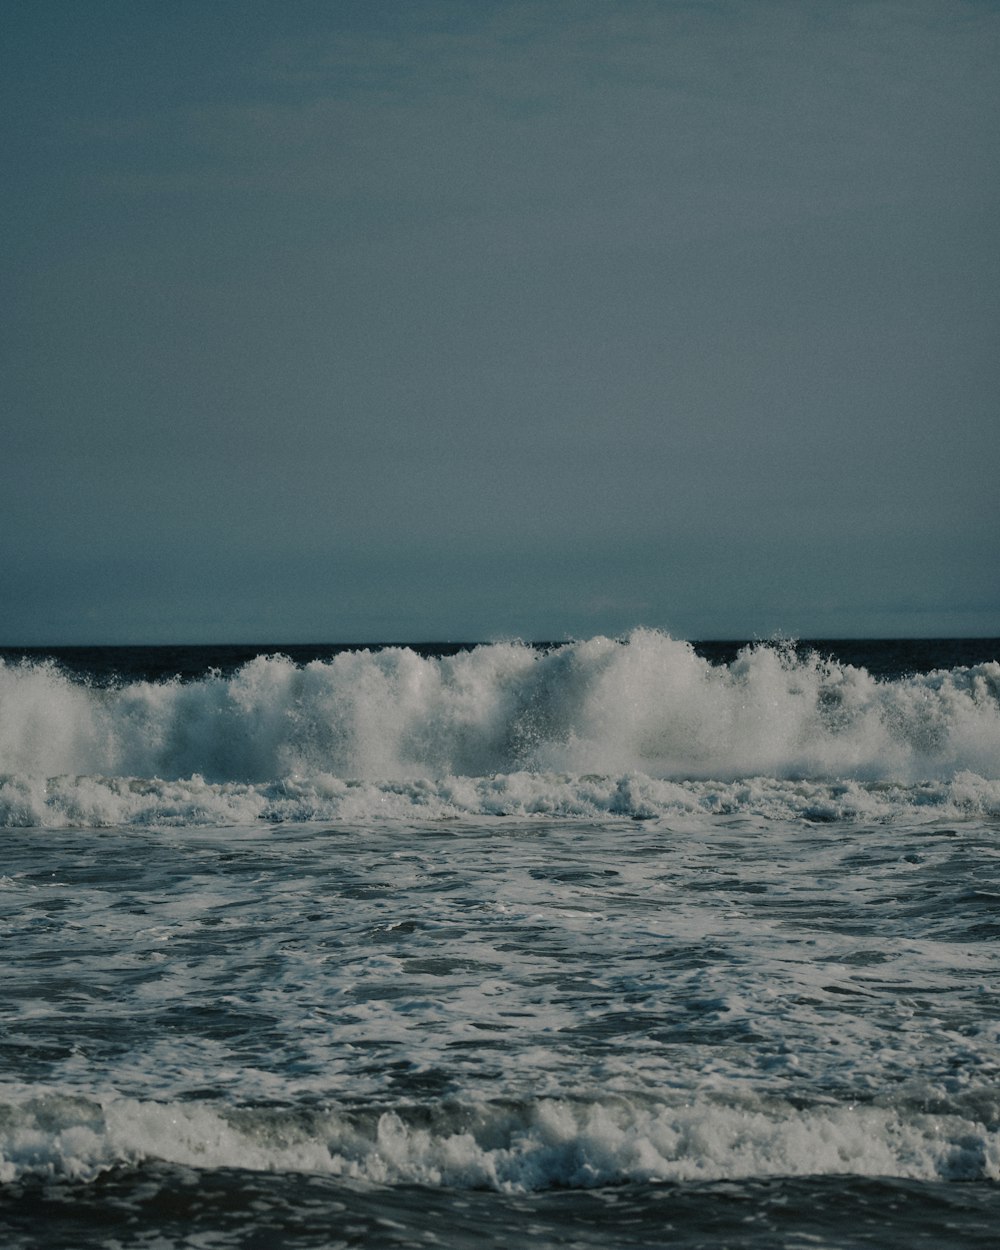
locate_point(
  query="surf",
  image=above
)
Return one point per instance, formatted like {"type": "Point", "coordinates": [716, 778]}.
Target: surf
{"type": "Point", "coordinates": [636, 726]}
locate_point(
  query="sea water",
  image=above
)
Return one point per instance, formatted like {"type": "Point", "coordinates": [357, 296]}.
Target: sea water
{"type": "Point", "coordinates": [612, 943]}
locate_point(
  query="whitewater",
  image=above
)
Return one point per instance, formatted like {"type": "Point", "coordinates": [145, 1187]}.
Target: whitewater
{"type": "Point", "coordinates": [643, 727]}
{"type": "Point", "coordinates": [611, 942]}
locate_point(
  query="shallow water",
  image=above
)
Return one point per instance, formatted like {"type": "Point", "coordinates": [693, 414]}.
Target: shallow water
{"type": "Point", "coordinates": [470, 1021]}
{"type": "Point", "coordinates": [655, 1010]}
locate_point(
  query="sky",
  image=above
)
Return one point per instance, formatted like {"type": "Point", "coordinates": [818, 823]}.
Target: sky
{"type": "Point", "coordinates": [418, 320]}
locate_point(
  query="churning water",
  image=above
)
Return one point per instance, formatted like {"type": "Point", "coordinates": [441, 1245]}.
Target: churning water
{"type": "Point", "coordinates": [599, 944]}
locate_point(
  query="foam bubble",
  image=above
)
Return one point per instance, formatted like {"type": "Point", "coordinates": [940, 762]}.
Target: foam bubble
{"type": "Point", "coordinates": [512, 1147]}
{"type": "Point", "coordinates": [94, 802]}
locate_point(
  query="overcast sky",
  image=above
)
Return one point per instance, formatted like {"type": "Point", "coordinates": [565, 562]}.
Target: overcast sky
{"type": "Point", "coordinates": [429, 319]}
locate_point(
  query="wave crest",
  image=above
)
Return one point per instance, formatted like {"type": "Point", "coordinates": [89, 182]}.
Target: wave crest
{"type": "Point", "coordinates": [282, 741]}
{"type": "Point", "coordinates": [512, 1147]}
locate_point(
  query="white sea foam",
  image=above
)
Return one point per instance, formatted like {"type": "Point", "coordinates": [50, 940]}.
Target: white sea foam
{"type": "Point", "coordinates": [77, 802]}
{"type": "Point", "coordinates": [643, 727]}
{"type": "Point", "coordinates": [513, 1147]}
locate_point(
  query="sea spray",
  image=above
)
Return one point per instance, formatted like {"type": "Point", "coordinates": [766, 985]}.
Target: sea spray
{"type": "Point", "coordinates": [635, 727]}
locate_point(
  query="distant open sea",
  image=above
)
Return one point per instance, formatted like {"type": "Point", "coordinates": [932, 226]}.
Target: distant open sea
{"type": "Point", "coordinates": [617, 943]}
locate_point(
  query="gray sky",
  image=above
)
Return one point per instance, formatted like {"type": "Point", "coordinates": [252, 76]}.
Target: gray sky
{"type": "Point", "coordinates": [395, 319]}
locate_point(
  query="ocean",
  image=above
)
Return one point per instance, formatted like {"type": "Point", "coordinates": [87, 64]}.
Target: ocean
{"type": "Point", "coordinates": [618, 942]}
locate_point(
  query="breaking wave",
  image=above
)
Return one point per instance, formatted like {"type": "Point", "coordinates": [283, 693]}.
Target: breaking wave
{"type": "Point", "coordinates": [642, 727]}
{"type": "Point", "coordinates": [512, 1147]}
